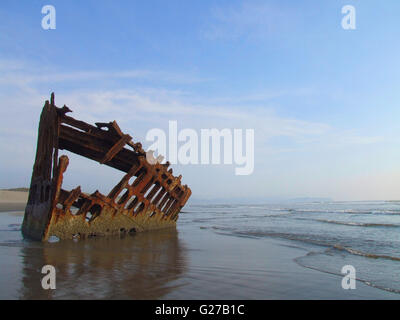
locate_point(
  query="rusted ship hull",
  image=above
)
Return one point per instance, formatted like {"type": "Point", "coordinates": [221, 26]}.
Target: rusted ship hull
{"type": "Point", "coordinates": [148, 197]}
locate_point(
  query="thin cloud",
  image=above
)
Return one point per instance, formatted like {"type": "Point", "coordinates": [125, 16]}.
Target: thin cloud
{"type": "Point", "coordinates": [250, 20]}
{"type": "Point", "coordinates": [153, 107]}
{"type": "Point", "coordinates": [14, 72]}
{"type": "Point", "coordinates": [140, 109]}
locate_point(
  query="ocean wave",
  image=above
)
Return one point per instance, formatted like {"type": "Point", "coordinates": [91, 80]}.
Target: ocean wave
{"type": "Point", "coordinates": [365, 254]}
{"type": "Point", "coordinates": [303, 238]}
{"type": "Point", "coordinates": [347, 211]}
{"type": "Point", "coordinates": [370, 283]}
{"type": "Point", "coordinates": [258, 234]}
{"type": "Point", "coordinates": [352, 211]}
{"type": "Point", "coordinates": [358, 224]}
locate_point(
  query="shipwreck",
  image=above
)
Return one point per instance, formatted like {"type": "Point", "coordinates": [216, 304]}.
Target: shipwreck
{"type": "Point", "coordinates": [148, 196]}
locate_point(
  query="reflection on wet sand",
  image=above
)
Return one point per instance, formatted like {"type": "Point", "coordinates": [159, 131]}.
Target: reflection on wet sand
{"type": "Point", "coordinates": [143, 266]}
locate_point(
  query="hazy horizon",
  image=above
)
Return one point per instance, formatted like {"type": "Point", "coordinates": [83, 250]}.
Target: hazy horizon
{"type": "Point", "coordinates": [249, 201]}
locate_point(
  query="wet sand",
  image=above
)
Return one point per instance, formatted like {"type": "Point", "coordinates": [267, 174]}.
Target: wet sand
{"type": "Point", "coordinates": [186, 263]}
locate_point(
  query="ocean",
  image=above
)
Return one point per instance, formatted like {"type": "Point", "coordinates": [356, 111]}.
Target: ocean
{"type": "Point", "coordinates": [363, 234]}
{"type": "Point", "coordinates": [271, 251]}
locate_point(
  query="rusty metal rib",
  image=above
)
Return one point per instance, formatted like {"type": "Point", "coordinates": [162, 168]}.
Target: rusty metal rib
{"type": "Point", "coordinates": [152, 201]}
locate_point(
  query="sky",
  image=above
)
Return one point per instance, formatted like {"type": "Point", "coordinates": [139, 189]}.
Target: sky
{"type": "Point", "coordinates": [323, 101]}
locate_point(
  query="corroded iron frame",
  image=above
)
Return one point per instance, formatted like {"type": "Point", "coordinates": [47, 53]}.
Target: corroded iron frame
{"type": "Point", "coordinates": [152, 201]}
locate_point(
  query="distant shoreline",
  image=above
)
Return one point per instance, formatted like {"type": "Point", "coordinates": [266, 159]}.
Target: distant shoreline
{"type": "Point", "coordinates": [16, 189]}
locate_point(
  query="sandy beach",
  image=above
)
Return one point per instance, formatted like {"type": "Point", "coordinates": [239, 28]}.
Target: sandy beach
{"type": "Point", "coordinates": [12, 200]}
{"type": "Point", "coordinates": [196, 261]}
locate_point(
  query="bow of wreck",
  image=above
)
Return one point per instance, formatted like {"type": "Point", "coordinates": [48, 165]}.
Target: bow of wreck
{"type": "Point", "coordinates": [147, 197]}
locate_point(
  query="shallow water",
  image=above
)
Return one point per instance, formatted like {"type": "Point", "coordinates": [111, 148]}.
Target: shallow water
{"type": "Point", "coordinates": [219, 252]}
{"type": "Point", "coordinates": [363, 234]}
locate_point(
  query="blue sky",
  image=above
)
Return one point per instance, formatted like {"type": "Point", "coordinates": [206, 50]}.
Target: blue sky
{"type": "Point", "coordinates": [323, 101]}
